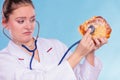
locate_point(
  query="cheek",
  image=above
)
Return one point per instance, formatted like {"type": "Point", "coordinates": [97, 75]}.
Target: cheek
{"type": "Point", "coordinates": [14, 29]}
{"type": "Point", "coordinates": [34, 26]}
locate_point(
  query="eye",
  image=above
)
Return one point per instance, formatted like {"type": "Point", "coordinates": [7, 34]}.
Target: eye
{"type": "Point", "coordinates": [20, 21]}
{"type": "Point", "coordinates": [32, 20]}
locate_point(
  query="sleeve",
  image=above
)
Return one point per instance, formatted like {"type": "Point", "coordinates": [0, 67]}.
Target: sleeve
{"type": "Point", "coordinates": [86, 71]}
{"type": "Point", "coordinates": [11, 70]}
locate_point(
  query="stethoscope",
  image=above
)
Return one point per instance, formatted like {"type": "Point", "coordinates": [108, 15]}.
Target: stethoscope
{"type": "Point", "coordinates": [35, 43]}
{"type": "Point", "coordinates": [92, 31]}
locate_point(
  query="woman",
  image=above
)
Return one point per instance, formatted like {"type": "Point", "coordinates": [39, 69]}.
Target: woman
{"type": "Point", "coordinates": [16, 62]}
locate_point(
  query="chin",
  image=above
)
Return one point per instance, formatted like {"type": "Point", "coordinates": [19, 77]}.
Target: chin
{"type": "Point", "coordinates": [27, 39]}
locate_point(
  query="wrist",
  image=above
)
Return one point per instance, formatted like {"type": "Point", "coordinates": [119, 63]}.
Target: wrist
{"type": "Point", "coordinates": [74, 59]}
{"type": "Point", "coordinates": [90, 58]}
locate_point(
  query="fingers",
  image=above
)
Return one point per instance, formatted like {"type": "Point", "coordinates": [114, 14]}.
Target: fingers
{"type": "Point", "coordinates": [103, 40]}
{"type": "Point", "coordinates": [87, 34]}
{"type": "Point", "coordinates": [86, 40]}
{"type": "Point", "coordinates": [86, 44]}
{"type": "Point", "coordinates": [99, 42]}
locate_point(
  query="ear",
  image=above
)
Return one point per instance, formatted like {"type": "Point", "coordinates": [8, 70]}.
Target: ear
{"type": "Point", "coordinates": [4, 23]}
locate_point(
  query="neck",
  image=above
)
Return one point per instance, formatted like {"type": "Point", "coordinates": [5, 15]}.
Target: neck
{"type": "Point", "coordinates": [29, 43]}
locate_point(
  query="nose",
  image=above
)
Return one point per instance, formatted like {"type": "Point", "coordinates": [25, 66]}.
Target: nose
{"type": "Point", "coordinates": [28, 25]}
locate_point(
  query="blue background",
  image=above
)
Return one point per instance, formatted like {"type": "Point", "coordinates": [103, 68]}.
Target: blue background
{"type": "Point", "coordinates": [60, 19]}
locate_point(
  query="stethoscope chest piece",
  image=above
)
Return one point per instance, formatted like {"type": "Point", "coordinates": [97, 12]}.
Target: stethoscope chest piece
{"type": "Point", "coordinates": [92, 29]}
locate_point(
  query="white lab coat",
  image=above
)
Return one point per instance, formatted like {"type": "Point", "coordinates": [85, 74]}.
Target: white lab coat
{"type": "Point", "coordinates": [14, 64]}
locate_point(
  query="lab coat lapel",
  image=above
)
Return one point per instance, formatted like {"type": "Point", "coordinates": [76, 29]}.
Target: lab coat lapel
{"type": "Point", "coordinates": [20, 55]}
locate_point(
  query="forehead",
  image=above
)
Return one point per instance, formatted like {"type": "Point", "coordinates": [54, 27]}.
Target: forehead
{"type": "Point", "coordinates": [26, 10]}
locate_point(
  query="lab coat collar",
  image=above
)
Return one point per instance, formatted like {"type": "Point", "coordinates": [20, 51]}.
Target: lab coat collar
{"type": "Point", "coordinates": [24, 58]}
{"type": "Point", "coordinates": [45, 49]}
{"type": "Point", "coordinates": [17, 52]}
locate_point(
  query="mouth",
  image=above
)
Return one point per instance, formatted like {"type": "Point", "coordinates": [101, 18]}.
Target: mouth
{"type": "Point", "coordinates": [27, 33]}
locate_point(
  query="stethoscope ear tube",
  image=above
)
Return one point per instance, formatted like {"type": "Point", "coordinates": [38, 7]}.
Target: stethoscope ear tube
{"type": "Point", "coordinates": [35, 43]}
{"type": "Point", "coordinates": [38, 24]}
{"type": "Point", "coordinates": [38, 29]}
{"type": "Point", "coordinates": [5, 33]}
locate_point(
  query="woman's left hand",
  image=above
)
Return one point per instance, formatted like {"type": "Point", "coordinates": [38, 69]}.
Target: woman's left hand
{"type": "Point", "coordinates": [99, 42]}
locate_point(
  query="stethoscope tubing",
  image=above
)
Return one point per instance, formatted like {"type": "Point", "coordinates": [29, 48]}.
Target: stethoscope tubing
{"type": "Point", "coordinates": [33, 53]}
{"type": "Point", "coordinates": [68, 51]}
{"type": "Point", "coordinates": [35, 43]}
{"type": "Point", "coordinates": [92, 31]}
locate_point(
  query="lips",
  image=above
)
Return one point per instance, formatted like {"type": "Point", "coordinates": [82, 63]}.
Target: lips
{"type": "Point", "coordinates": [27, 33]}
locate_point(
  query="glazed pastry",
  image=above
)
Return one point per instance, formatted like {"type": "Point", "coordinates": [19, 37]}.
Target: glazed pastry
{"type": "Point", "coordinates": [98, 25]}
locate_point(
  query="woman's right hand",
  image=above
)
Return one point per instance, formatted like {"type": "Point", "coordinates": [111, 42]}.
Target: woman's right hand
{"type": "Point", "coordinates": [85, 46]}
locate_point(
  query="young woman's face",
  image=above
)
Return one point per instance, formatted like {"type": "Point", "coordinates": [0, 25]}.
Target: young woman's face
{"type": "Point", "coordinates": [21, 23]}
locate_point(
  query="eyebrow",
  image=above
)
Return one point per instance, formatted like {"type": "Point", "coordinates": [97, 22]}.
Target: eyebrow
{"type": "Point", "coordinates": [25, 17]}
